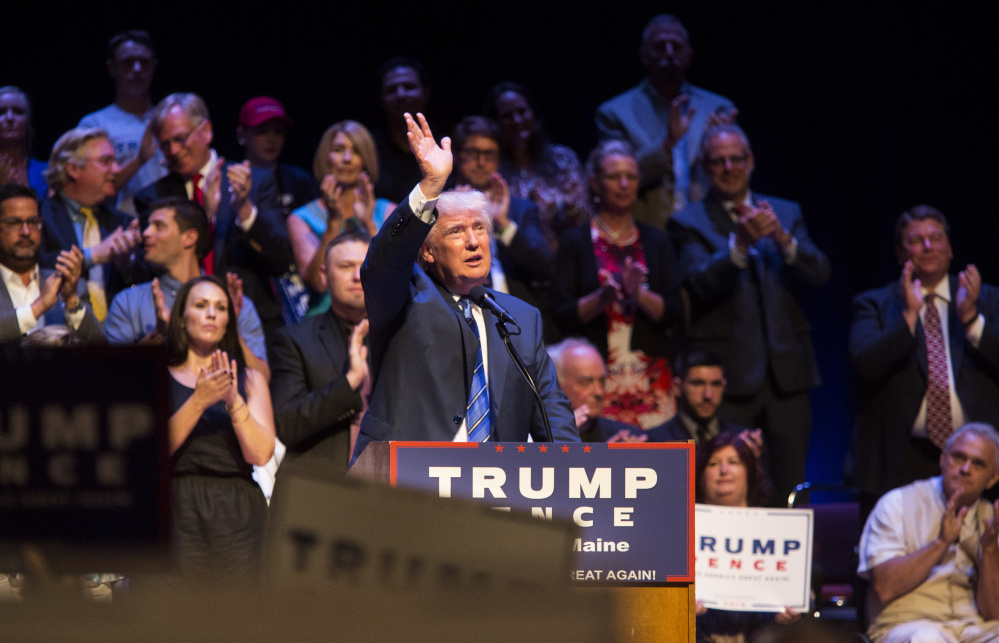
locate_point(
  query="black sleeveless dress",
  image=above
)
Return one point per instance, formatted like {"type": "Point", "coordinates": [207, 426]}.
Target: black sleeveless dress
{"type": "Point", "coordinates": [219, 511]}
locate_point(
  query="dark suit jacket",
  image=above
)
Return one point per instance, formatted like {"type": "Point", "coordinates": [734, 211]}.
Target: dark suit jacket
{"type": "Point", "coordinates": [890, 375]}
{"type": "Point", "coordinates": [89, 331]}
{"type": "Point", "coordinates": [58, 235]}
{"type": "Point", "coordinates": [423, 352]}
{"type": "Point", "coordinates": [576, 276]}
{"type": "Point", "coordinates": [750, 317]}
{"type": "Point", "coordinates": [601, 429]}
{"type": "Point", "coordinates": [256, 255]}
{"type": "Point", "coordinates": [674, 430]}
{"type": "Point", "coordinates": [313, 401]}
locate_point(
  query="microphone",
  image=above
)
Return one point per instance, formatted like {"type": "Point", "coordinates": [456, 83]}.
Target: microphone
{"type": "Point", "coordinates": [484, 299]}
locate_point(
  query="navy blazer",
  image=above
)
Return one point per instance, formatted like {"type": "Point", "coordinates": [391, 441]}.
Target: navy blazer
{"type": "Point", "coordinates": [750, 317]}
{"type": "Point", "coordinates": [423, 352]}
{"type": "Point", "coordinates": [256, 255]}
{"type": "Point", "coordinates": [58, 234]}
{"type": "Point", "coordinates": [890, 374]}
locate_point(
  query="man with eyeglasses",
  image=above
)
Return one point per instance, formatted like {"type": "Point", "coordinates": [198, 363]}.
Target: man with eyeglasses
{"type": "Point", "coordinates": [245, 223]}
{"type": "Point", "coordinates": [925, 356]}
{"type": "Point", "coordinates": [746, 256]}
{"type": "Point", "coordinates": [131, 63]}
{"type": "Point", "coordinates": [28, 294]}
{"type": "Point", "coordinates": [524, 269]}
{"type": "Point", "coordinates": [82, 171]}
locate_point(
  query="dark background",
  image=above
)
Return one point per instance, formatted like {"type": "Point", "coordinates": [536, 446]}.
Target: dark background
{"type": "Point", "coordinates": [858, 111]}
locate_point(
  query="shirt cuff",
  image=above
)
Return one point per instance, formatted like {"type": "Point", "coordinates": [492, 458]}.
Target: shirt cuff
{"type": "Point", "coordinates": [790, 251]}
{"type": "Point", "coordinates": [973, 333]}
{"type": "Point", "coordinates": [26, 319]}
{"type": "Point", "coordinates": [738, 257]}
{"type": "Point", "coordinates": [246, 225]}
{"type": "Point", "coordinates": [73, 320]}
{"type": "Point", "coordinates": [421, 206]}
{"type": "Point", "coordinates": [509, 232]}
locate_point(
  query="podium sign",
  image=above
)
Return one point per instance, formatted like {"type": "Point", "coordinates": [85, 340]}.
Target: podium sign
{"type": "Point", "coordinates": [633, 502]}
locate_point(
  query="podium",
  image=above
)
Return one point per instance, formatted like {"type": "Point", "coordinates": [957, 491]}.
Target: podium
{"type": "Point", "coordinates": [633, 504]}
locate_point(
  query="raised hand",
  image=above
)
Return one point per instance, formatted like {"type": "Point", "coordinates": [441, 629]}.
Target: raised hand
{"type": "Point", "coordinates": [357, 372]}
{"type": "Point", "coordinates": [679, 120]}
{"type": "Point", "coordinates": [582, 414]}
{"type": "Point", "coordinates": [212, 190]}
{"type": "Point", "coordinates": [48, 295]}
{"type": "Point", "coordinates": [235, 287]}
{"type": "Point", "coordinates": [69, 264]}
{"type": "Point", "coordinates": [624, 435]}
{"type": "Point", "coordinates": [912, 294]}
{"type": "Point", "coordinates": [435, 161]}
{"type": "Point", "coordinates": [162, 310]}
{"type": "Point", "coordinates": [753, 439]}
{"type": "Point", "coordinates": [722, 117]}
{"type": "Point", "coordinates": [240, 182]}
{"type": "Point", "coordinates": [969, 286]}
{"type": "Point", "coordinates": [953, 518]}
{"type": "Point", "coordinates": [499, 196]}
{"type": "Point", "coordinates": [214, 383]}
{"type": "Point", "coordinates": [364, 201]}
{"type": "Point", "coordinates": [632, 277]}
{"type": "Point", "coordinates": [610, 289]}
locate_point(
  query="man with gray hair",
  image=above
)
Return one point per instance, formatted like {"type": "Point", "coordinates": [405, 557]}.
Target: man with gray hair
{"type": "Point", "coordinates": [747, 259]}
{"type": "Point", "coordinates": [582, 374]}
{"type": "Point", "coordinates": [931, 550]}
{"type": "Point", "coordinates": [439, 368]}
{"type": "Point", "coordinates": [82, 172]}
{"type": "Point", "coordinates": [247, 233]}
{"type": "Point", "coordinates": [663, 118]}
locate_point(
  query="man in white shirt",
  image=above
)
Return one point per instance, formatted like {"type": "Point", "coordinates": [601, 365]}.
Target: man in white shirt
{"type": "Point", "coordinates": [931, 550]}
{"type": "Point", "coordinates": [28, 295]}
{"type": "Point", "coordinates": [920, 372]}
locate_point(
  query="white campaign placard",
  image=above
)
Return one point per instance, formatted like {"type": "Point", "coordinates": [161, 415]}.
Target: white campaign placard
{"type": "Point", "coordinates": [753, 559]}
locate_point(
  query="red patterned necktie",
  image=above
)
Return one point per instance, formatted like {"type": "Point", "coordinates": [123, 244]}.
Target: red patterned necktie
{"type": "Point", "coordinates": [939, 424]}
{"type": "Point", "coordinates": [197, 195]}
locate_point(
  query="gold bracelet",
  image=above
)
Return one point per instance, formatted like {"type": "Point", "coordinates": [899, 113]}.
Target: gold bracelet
{"type": "Point", "coordinates": [230, 411]}
{"type": "Point", "coordinates": [242, 419]}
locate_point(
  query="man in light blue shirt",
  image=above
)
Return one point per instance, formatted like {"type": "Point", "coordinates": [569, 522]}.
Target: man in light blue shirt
{"type": "Point", "coordinates": [175, 241]}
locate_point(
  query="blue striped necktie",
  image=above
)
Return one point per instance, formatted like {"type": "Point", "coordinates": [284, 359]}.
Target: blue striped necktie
{"type": "Point", "coordinates": [477, 418]}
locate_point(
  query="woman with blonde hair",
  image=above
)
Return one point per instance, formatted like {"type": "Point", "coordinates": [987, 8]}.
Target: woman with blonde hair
{"type": "Point", "coordinates": [346, 166]}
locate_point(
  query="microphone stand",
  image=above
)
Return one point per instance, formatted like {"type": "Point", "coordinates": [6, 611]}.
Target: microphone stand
{"type": "Point", "coordinates": [505, 334]}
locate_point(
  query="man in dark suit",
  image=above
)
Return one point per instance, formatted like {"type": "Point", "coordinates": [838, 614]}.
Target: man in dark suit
{"type": "Point", "coordinates": [28, 295]}
{"type": "Point", "coordinates": [250, 238]}
{"type": "Point", "coordinates": [699, 378]}
{"type": "Point", "coordinates": [524, 266]}
{"type": "Point", "coordinates": [320, 367]}
{"type": "Point", "coordinates": [430, 345]}
{"type": "Point", "coordinates": [746, 256]}
{"type": "Point", "coordinates": [920, 373]}
{"type": "Point", "coordinates": [82, 171]}
{"type": "Point", "coordinates": [582, 375]}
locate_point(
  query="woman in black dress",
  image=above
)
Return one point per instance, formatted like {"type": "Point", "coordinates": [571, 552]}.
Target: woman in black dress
{"type": "Point", "coordinates": [222, 424]}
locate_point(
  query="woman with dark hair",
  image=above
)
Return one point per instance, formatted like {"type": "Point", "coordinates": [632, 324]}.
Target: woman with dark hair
{"type": "Point", "coordinates": [222, 424]}
{"type": "Point", "coordinates": [16, 133]}
{"type": "Point", "coordinates": [536, 169]}
{"type": "Point", "coordinates": [346, 166]}
{"type": "Point", "coordinates": [729, 474]}
{"type": "Point", "coordinates": [618, 285]}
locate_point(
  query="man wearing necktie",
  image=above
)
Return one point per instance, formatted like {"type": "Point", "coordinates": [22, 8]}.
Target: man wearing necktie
{"type": "Point", "coordinates": [439, 368]}
{"type": "Point", "coordinates": [925, 355]}
{"type": "Point", "coordinates": [82, 171]}
{"type": "Point", "coordinates": [747, 257]}
{"type": "Point", "coordinates": [245, 225]}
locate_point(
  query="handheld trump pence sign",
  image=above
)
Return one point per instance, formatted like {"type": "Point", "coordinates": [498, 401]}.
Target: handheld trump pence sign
{"type": "Point", "coordinates": [633, 503]}
{"type": "Point", "coordinates": [753, 560]}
